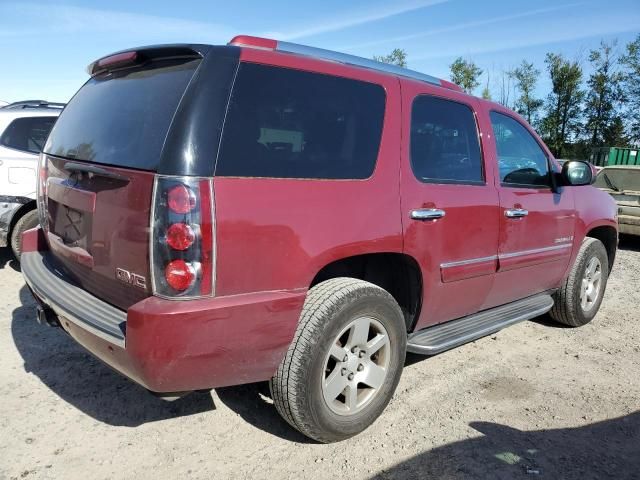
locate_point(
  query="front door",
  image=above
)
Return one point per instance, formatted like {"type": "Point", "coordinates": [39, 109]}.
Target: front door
{"type": "Point", "coordinates": [449, 204]}
{"type": "Point", "coordinates": [536, 222]}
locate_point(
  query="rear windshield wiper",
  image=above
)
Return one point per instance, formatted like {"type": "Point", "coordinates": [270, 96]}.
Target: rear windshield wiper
{"type": "Point", "coordinates": [97, 171]}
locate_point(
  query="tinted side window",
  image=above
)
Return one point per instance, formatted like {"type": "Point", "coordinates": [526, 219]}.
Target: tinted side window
{"type": "Point", "coordinates": [444, 142]}
{"type": "Point", "coordinates": [520, 158]}
{"type": "Point", "coordinates": [27, 134]}
{"type": "Point", "coordinates": [288, 123]}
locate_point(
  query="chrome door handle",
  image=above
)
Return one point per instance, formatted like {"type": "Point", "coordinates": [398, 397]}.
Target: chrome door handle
{"type": "Point", "coordinates": [516, 213]}
{"type": "Point", "coordinates": [427, 214]}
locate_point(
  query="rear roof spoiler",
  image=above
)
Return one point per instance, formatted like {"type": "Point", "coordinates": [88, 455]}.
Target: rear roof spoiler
{"type": "Point", "coordinates": [138, 56]}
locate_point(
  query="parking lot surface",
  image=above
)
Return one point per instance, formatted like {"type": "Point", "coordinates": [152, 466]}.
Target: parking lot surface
{"type": "Point", "coordinates": [533, 401]}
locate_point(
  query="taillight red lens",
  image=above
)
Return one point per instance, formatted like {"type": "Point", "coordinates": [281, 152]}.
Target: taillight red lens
{"type": "Point", "coordinates": [181, 199]}
{"type": "Point", "coordinates": [179, 274]}
{"type": "Point", "coordinates": [182, 252]}
{"type": "Point", "coordinates": [180, 236]}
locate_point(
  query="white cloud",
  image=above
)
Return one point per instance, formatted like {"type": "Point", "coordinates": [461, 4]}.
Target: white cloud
{"type": "Point", "coordinates": [461, 26]}
{"type": "Point", "coordinates": [557, 32]}
{"type": "Point", "coordinates": [352, 19]}
{"type": "Point", "coordinates": [66, 19]}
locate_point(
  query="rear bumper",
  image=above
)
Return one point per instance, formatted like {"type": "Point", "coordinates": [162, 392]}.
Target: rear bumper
{"type": "Point", "coordinates": [629, 224]}
{"type": "Point", "coordinates": [165, 345]}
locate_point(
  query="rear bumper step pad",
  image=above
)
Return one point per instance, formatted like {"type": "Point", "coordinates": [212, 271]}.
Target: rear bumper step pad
{"type": "Point", "coordinates": [70, 301]}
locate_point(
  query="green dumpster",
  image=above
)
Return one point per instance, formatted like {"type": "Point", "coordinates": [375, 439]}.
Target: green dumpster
{"type": "Point", "coordinates": [604, 156]}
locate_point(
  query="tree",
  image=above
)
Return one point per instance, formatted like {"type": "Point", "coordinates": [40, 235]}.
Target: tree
{"type": "Point", "coordinates": [562, 119]}
{"type": "Point", "coordinates": [397, 57]}
{"type": "Point", "coordinates": [486, 93]}
{"type": "Point", "coordinates": [466, 74]}
{"type": "Point", "coordinates": [631, 61]}
{"type": "Point", "coordinates": [525, 77]}
{"type": "Point", "coordinates": [505, 88]}
{"type": "Point", "coordinates": [614, 134]}
{"type": "Point", "coordinates": [605, 92]}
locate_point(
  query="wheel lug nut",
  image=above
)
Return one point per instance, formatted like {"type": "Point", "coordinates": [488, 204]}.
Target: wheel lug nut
{"type": "Point", "coordinates": [350, 377]}
{"type": "Point", "coordinates": [362, 353]}
{"type": "Point", "coordinates": [343, 372]}
{"type": "Point", "coordinates": [346, 357]}
{"type": "Point", "coordinates": [354, 350]}
{"type": "Point", "coordinates": [360, 367]}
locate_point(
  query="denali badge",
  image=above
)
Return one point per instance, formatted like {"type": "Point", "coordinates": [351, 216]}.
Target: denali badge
{"type": "Point", "coordinates": [131, 278]}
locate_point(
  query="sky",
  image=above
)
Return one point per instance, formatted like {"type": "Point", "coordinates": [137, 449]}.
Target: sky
{"type": "Point", "coordinates": [45, 46]}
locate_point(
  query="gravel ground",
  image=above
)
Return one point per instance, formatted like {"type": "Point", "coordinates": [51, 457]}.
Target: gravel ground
{"type": "Point", "coordinates": [535, 400]}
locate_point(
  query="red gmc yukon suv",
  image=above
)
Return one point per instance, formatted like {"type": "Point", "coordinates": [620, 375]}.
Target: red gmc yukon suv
{"type": "Point", "coordinates": [218, 215]}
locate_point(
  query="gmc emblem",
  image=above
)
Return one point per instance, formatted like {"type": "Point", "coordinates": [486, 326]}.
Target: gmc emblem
{"type": "Point", "coordinates": [131, 278]}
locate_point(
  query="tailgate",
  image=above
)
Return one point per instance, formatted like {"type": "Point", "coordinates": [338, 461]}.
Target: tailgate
{"type": "Point", "coordinates": [97, 222]}
{"type": "Point", "coordinates": [99, 165]}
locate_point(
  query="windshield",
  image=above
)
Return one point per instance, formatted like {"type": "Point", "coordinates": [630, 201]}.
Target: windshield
{"type": "Point", "coordinates": [623, 179]}
{"type": "Point", "coordinates": [122, 118]}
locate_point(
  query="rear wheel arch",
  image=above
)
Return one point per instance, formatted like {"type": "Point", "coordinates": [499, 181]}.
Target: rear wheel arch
{"type": "Point", "coordinates": [24, 209]}
{"type": "Point", "coordinates": [24, 219]}
{"type": "Point", "coordinates": [397, 273]}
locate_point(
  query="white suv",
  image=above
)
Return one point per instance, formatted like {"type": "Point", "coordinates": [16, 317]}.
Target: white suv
{"type": "Point", "coordinates": [24, 127]}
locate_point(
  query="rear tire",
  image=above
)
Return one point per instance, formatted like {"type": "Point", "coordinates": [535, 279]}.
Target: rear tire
{"type": "Point", "coordinates": [580, 297]}
{"type": "Point", "coordinates": [28, 221]}
{"type": "Point", "coordinates": [344, 362]}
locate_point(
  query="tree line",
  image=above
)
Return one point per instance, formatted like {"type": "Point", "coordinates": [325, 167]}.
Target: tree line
{"type": "Point", "coordinates": [580, 112]}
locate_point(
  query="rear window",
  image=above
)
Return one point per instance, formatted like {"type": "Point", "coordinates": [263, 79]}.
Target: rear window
{"type": "Point", "coordinates": [619, 179]}
{"type": "Point", "coordinates": [122, 118]}
{"type": "Point", "coordinates": [27, 134]}
{"type": "Point", "coordinates": [286, 123]}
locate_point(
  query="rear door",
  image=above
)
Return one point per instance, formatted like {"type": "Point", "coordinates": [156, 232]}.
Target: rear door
{"type": "Point", "coordinates": [20, 143]}
{"type": "Point", "coordinates": [536, 222]}
{"type": "Point", "coordinates": [449, 203]}
{"type": "Point", "coordinates": [100, 162]}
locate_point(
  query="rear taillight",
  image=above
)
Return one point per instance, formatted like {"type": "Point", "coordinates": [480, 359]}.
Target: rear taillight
{"type": "Point", "coordinates": [182, 250]}
{"type": "Point", "coordinates": [181, 199]}
{"type": "Point", "coordinates": [180, 275]}
{"type": "Point", "coordinates": [41, 190]}
{"type": "Point", "coordinates": [180, 236]}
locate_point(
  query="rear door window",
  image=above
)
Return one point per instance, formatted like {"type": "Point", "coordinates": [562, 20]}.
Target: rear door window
{"type": "Point", "coordinates": [286, 123]}
{"type": "Point", "coordinates": [27, 134]}
{"type": "Point", "coordinates": [444, 142]}
{"type": "Point", "coordinates": [122, 118]}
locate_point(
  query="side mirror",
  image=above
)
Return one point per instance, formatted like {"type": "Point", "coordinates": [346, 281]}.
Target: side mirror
{"type": "Point", "coordinates": [575, 173]}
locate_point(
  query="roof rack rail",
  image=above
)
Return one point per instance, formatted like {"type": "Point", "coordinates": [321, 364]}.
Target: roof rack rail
{"type": "Point", "coordinates": [32, 104]}
{"type": "Point", "coordinates": [269, 44]}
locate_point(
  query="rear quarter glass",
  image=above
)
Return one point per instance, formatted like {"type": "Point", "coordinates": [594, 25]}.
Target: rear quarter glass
{"type": "Point", "coordinates": [122, 118]}
{"type": "Point", "coordinates": [287, 123]}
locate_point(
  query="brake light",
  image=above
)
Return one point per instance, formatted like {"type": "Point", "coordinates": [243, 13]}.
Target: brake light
{"type": "Point", "coordinates": [118, 59]}
{"type": "Point", "coordinates": [182, 251]}
{"type": "Point", "coordinates": [180, 236]}
{"type": "Point", "coordinates": [181, 199]}
{"type": "Point", "coordinates": [41, 190]}
{"type": "Point", "coordinates": [112, 62]}
{"type": "Point", "coordinates": [179, 274]}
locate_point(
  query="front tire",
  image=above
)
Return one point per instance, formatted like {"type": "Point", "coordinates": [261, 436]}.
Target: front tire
{"type": "Point", "coordinates": [28, 221]}
{"type": "Point", "coordinates": [344, 362]}
{"type": "Point", "coordinates": [580, 297]}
